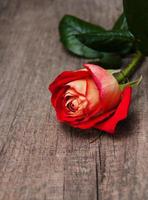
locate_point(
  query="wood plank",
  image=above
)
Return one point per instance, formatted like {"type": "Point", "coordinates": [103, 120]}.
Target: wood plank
{"type": "Point", "coordinates": [40, 158]}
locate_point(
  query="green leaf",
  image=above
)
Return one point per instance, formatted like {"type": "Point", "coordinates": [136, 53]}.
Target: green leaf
{"type": "Point", "coordinates": [136, 12]}
{"type": "Point", "coordinates": [110, 60]}
{"type": "Point", "coordinates": [69, 28]}
{"type": "Point", "coordinates": [107, 41]}
{"type": "Point", "coordinates": [121, 23]}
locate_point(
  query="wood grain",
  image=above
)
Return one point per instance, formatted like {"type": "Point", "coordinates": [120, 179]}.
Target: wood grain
{"type": "Point", "coordinates": [40, 158]}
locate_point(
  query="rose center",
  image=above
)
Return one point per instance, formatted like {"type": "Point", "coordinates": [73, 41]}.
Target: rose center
{"type": "Point", "coordinates": [75, 103]}
{"type": "Point", "coordinates": [72, 105]}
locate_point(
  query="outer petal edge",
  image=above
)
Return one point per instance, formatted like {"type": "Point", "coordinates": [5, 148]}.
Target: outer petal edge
{"type": "Point", "coordinates": [120, 114]}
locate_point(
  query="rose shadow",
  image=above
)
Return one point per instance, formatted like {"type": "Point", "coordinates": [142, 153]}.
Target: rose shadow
{"type": "Point", "coordinates": [88, 134]}
{"type": "Point", "coordinates": [126, 128]}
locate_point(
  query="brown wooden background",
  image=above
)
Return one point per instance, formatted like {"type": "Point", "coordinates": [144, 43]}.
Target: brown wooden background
{"type": "Point", "coordinates": [41, 159]}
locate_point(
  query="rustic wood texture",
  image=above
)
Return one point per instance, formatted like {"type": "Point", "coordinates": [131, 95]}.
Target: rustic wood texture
{"type": "Point", "coordinates": [40, 158]}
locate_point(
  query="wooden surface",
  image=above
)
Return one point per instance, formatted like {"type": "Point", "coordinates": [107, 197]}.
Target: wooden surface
{"type": "Point", "coordinates": [41, 159]}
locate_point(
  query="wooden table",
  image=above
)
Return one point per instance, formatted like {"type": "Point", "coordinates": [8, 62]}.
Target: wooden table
{"type": "Point", "coordinates": [40, 158]}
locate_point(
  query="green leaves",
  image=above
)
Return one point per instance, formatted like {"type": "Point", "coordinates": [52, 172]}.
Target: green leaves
{"type": "Point", "coordinates": [121, 23]}
{"type": "Point", "coordinates": [111, 60]}
{"type": "Point", "coordinates": [107, 47]}
{"type": "Point", "coordinates": [108, 60]}
{"type": "Point", "coordinates": [136, 12]}
{"type": "Point", "coordinates": [108, 41]}
{"type": "Point", "coordinates": [94, 42]}
{"type": "Point", "coordinates": [91, 41]}
{"type": "Point", "coordinates": [70, 27]}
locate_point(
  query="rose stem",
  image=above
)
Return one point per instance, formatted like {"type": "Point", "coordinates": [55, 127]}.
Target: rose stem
{"type": "Point", "coordinates": [128, 70]}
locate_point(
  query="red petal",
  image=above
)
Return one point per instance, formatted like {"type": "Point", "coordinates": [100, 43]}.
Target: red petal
{"type": "Point", "coordinates": [92, 121]}
{"type": "Point", "coordinates": [67, 77]}
{"type": "Point", "coordinates": [108, 86]}
{"type": "Point", "coordinates": [121, 113]}
{"type": "Point", "coordinates": [57, 95]}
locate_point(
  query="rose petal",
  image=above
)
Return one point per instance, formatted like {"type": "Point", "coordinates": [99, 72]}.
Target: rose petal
{"type": "Point", "coordinates": [92, 94]}
{"type": "Point", "coordinates": [57, 95]}
{"type": "Point", "coordinates": [79, 86]}
{"type": "Point", "coordinates": [121, 113]}
{"type": "Point", "coordinates": [64, 114]}
{"type": "Point", "coordinates": [108, 86]}
{"type": "Point", "coordinates": [84, 124]}
{"type": "Point", "coordinates": [67, 77]}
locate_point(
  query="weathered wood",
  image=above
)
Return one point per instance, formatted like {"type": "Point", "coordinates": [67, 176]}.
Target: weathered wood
{"type": "Point", "coordinates": [40, 158]}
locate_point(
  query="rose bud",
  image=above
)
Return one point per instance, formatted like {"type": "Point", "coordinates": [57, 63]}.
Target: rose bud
{"type": "Point", "coordinates": [90, 97]}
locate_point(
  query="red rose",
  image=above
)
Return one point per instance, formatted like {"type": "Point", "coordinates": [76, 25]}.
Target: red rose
{"type": "Point", "coordinates": [90, 97]}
